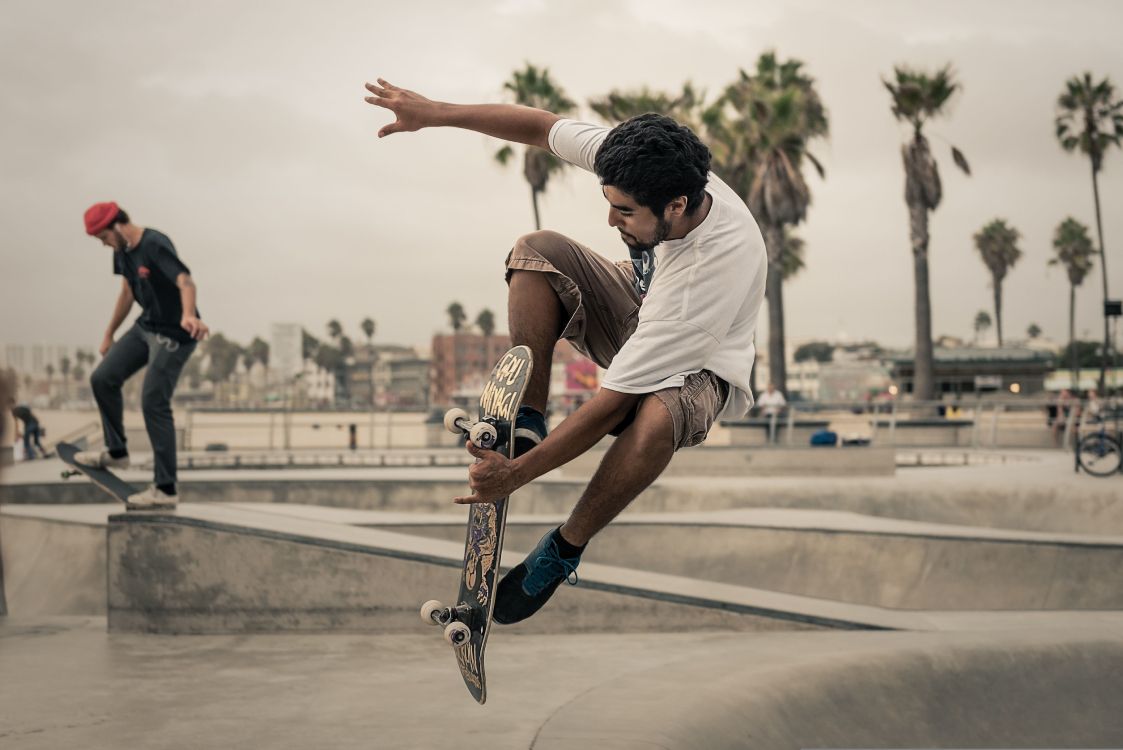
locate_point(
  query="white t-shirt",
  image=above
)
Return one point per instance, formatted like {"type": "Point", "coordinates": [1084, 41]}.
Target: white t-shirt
{"type": "Point", "coordinates": [701, 309]}
{"type": "Point", "coordinates": [771, 402]}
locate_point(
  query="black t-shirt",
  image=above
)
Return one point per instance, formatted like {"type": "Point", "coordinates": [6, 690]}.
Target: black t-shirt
{"type": "Point", "coordinates": [23, 414]}
{"type": "Point", "coordinates": [151, 269]}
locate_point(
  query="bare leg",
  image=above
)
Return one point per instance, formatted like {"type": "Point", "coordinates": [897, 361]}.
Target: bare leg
{"type": "Point", "coordinates": [633, 462]}
{"type": "Point", "coordinates": [535, 316]}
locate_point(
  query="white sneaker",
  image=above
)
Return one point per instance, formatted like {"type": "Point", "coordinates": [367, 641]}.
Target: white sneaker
{"type": "Point", "coordinates": [152, 498]}
{"type": "Point", "coordinates": [100, 459]}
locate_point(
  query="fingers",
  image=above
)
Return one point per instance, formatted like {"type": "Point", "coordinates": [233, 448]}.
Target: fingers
{"type": "Point", "coordinates": [475, 450]}
{"type": "Point", "coordinates": [469, 499]}
{"type": "Point", "coordinates": [388, 129]}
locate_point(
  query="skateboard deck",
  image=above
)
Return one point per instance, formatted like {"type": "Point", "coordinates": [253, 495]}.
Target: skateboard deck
{"type": "Point", "coordinates": [468, 622]}
{"type": "Point", "coordinates": [103, 478]}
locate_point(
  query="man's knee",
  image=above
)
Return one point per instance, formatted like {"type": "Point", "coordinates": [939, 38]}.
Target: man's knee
{"type": "Point", "coordinates": [653, 429]}
{"type": "Point", "coordinates": [102, 381]}
{"type": "Point", "coordinates": [547, 244]}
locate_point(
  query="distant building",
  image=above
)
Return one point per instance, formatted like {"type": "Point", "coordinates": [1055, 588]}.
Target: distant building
{"type": "Point", "coordinates": [852, 380]}
{"type": "Point", "coordinates": [401, 381]}
{"type": "Point", "coordinates": [32, 359]}
{"type": "Point", "coordinates": [286, 357]}
{"type": "Point", "coordinates": [971, 370]}
{"type": "Point", "coordinates": [461, 362]}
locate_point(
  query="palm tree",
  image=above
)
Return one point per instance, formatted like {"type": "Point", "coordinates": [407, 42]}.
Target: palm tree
{"type": "Point", "coordinates": [617, 106]}
{"type": "Point", "coordinates": [64, 370]}
{"type": "Point", "coordinates": [760, 128]}
{"type": "Point", "coordinates": [259, 349]}
{"type": "Point", "coordinates": [1033, 331]}
{"type": "Point", "coordinates": [1074, 251]}
{"type": "Point", "coordinates": [793, 261]}
{"type": "Point", "coordinates": [997, 242]}
{"type": "Point", "coordinates": [485, 321]}
{"type": "Point", "coordinates": [456, 316]}
{"type": "Point", "coordinates": [917, 98]}
{"type": "Point", "coordinates": [534, 88]}
{"type": "Point", "coordinates": [368, 329]}
{"type": "Point", "coordinates": [1090, 120]}
{"type": "Point", "coordinates": [335, 329]}
{"type": "Point", "coordinates": [982, 323]}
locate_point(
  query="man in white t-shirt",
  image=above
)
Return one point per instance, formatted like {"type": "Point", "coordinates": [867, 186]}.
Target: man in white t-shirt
{"type": "Point", "coordinates": [771, 402]}
{"type": "Point", "coordinates": [673, 325]}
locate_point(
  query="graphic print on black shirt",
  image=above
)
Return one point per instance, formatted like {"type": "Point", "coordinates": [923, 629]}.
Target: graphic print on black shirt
{"type": "Point", "coordinates": [151, 269]}
{"type": "Point", "coordinates": [643, 263]}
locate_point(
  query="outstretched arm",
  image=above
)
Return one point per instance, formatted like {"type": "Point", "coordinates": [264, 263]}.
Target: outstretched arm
{"type": "Point", "coordinates": [509, 122]}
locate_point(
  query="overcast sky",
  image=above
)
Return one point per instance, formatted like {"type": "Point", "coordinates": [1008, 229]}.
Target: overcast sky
{"type": "Point", "coordinates": [239, 130]}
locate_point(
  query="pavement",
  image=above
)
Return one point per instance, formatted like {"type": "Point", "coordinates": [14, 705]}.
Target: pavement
{"type": "Point", "coordinates": [1044, 675]}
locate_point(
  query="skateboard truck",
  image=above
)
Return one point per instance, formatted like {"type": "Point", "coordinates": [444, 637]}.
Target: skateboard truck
{"type": "Point", "coordinates": [485, 433]}
{"type": "Point", "coordinates": [455, 619]}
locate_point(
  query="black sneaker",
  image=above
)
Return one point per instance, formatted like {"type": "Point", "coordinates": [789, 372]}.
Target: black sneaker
{"type": "Point", "coordinates": [530, 429]}
{"type": "Point", "coordinates": [531, 583]}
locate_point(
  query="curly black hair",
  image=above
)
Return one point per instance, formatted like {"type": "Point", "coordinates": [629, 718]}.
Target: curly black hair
{"type": "Point", "coordinates": [655, 160]}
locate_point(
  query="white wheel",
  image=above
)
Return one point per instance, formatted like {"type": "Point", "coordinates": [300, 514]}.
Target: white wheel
{"type": "Point", "coordinates": [450, 419]}
{"type": "Point", "coordinates": [428, 609]}
{"type": "Point", "coordinates": [458, 634]}
{"type": "Point", "coordinates": [483, 434]}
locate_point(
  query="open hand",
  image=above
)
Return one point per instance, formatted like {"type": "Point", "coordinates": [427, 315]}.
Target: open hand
{"type": "Point", "coordinates": [411, 110]}
{"type": "Point", "coordinates": [491, 478]}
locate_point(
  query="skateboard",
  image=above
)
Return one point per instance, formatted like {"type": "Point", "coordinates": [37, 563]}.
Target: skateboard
{"type": "Point", "coordinates": [103, 478]}
{"type": "Point", "coordinates": [468, 622]}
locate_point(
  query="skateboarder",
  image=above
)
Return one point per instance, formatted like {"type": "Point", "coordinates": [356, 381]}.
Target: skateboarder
{"type": "Point", "coordinates": [31, 431]}
{"type": "Point", "coordinates": [163, 338]}
{"type": "Point", "coordinates": [674, 326]}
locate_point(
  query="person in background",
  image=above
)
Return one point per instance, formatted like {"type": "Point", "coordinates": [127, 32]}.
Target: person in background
{"type": "Point", "coordinates": [163, 338]}
{"type": "Point", "coordinates": [771, 402]}
{"type": "Point", "coordinates": [32, 431]}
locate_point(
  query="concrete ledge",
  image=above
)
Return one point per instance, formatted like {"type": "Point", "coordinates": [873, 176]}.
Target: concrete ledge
{"type": "Point", "coordinates": [854, 559]}
{"type": "Point", "coordinates": [765, 461]}
{"type": "Point", "coordinates": [206, 569]}
{"type": "Point", "coordinates": [755, 431]}
{"type": "Point", "coordinates": [911, 433]}
{"type": "Point", "coordinates": [1013, 690]}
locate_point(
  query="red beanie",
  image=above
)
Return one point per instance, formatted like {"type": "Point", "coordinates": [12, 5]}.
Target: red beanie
{"type": "Point", "coordinates": [99, 216]}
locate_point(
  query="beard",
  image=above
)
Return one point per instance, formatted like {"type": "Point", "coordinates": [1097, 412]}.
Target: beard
{"type": "Point", "coordinates": [662, 229]}
{"type": "Point", "coordinates": [119, 242]}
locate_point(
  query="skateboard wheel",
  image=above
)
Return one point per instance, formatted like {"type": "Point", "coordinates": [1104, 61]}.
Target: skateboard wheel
{"type": "Point", "coordinates": [429, 610]}
{"type": "Point", "coordinates": [450, 419]}
{"type": "Point", "coordinates": [483, 434]}
{"type": "Point", "coordinates": [458, 634]}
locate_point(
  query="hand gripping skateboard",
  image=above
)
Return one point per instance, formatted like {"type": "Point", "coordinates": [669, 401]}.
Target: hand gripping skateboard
{"type": "Point", "coordinates": [468, 622]}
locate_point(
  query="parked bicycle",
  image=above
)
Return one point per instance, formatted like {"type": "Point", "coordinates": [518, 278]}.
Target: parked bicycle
{"type": "Point", "coordinates": [1100, 453]}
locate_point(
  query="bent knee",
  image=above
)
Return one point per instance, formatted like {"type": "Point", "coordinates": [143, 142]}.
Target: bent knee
{"type": "Point", "coordinates": [543, 245]}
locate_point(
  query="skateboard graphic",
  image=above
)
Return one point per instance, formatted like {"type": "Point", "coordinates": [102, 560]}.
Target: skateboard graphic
{"type": "Point", "coordinates": [103, 478]}
{"type": "Point", "coordinates": [468, 622]}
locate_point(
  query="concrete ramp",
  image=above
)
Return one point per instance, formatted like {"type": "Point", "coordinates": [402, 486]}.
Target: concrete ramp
{"type": "Point", "coordinates": [54, 560]}
{"type": "Point", "coordinates": [208, 569]}
{"type": "Point", "coordinates": [823, 554]}
{"type": "Point", "coordinates": [1022, 689]}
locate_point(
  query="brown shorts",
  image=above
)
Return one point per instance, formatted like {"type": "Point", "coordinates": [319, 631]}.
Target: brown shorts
{"type": "Point", "coordinates": [603, 309]}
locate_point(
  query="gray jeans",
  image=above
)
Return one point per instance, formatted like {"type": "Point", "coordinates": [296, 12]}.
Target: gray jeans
{"type": "Point", "coordinates": [165, 359]}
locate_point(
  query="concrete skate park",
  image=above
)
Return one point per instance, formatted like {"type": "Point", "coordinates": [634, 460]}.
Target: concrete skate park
{"type": "Point", "coordinates": [788, 601]}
